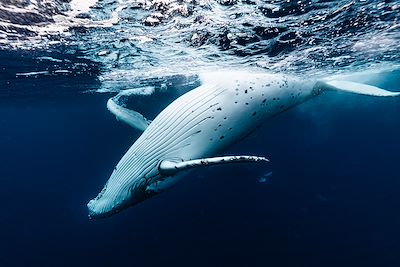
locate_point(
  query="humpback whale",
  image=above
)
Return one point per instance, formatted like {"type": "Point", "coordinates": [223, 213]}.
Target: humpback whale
{"type": "Point", "coordinates": [194, 129]}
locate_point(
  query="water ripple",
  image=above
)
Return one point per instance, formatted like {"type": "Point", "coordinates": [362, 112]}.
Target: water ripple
{"type": "Point", "coordinates": [144, 38]}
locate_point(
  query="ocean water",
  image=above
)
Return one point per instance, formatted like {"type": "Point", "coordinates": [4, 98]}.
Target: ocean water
{"type": "Point", "coordinates": [329, 196]}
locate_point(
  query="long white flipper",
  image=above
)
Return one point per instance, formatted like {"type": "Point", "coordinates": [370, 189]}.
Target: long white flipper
{"type": "Point", "coordinates": [359, 88]}
{"type": "Point", "coordinates": [169, 168]}
{"type": "Point", "coordinates": [130, 117]}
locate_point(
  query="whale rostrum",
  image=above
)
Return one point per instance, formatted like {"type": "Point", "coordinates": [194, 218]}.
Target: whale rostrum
{"type": "Point", "coordinates": [194, 130]}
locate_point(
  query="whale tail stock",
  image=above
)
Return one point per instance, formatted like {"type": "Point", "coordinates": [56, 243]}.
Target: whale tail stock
{"type": "Point", "coordinates": [354, 87]}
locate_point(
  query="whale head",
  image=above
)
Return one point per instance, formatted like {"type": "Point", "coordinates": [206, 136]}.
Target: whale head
{"type": "Point", "coordinates": [126, 186]}
{"type": "Point", "coordinates": [114, 198]}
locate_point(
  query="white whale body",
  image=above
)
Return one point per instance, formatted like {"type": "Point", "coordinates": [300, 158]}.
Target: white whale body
{"type": "Point", "coordinates": [199, 125]}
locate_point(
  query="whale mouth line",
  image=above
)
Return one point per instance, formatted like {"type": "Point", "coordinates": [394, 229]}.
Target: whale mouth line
{"type": "Point", "coordinates": [103, 206]}
{"type": "Point", "coordinates": [103, 213]}
{"type": "Point", "coordinates": [94, 216]}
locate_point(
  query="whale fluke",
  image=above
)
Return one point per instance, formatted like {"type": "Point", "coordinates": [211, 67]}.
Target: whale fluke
{"type": "Point", "coordinates": [358, 88]}
{"type": "Point", "coordinates": [169, 167]}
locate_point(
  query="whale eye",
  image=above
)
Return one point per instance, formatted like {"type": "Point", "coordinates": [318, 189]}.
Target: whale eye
{"type": "Point", "coordinates": [222, 137]}
{"type": "Point", "coordinates": [254, 113]}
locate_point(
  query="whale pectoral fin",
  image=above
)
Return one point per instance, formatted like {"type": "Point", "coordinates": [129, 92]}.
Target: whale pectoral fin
{"type": "Point", "coordinates": [170, 167]}
{"type": "Point", "coordinates": [358, 88]}
{"type": "Point", "coordinates": [130, 117]}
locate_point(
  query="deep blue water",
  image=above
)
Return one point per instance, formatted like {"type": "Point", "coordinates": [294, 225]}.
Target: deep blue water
{"type": "Point", "coordinates": [332, 201]}
{"type": "Point", "coordinates": [331, 197]}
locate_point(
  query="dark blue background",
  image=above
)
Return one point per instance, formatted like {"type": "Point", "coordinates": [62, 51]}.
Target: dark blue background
{"type": "Point", "coordinates": [333, 199]}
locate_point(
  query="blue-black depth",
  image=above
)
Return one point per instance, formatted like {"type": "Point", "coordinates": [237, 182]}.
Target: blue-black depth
{"type": "Point", "coordinates": [329, 197]}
